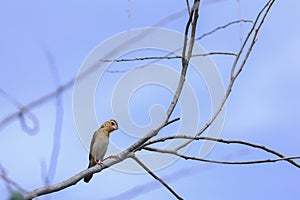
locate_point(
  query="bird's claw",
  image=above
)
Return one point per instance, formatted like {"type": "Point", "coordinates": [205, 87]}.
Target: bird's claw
{"type": "Point", "coordinates": [100, 163]}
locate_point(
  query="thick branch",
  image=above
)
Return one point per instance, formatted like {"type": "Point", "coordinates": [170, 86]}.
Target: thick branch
{"type": "Point", "coordinates": [74, 179]}
{"type": "Point", "coordinates": [96, 169]}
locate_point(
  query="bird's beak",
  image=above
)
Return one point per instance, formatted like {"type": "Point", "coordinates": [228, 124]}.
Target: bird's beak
{"type": "Point", "coordinates": [115, 127]}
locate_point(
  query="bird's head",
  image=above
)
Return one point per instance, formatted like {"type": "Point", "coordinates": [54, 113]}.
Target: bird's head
{"type": "Point", "coordinates": [110, 125]}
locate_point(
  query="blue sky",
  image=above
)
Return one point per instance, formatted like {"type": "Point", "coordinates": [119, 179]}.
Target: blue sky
{"type": "Point", "coordinates": [263, 107]}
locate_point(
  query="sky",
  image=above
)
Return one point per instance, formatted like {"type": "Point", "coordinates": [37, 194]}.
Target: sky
{"type": "Point", "coordinates": [46, 44]}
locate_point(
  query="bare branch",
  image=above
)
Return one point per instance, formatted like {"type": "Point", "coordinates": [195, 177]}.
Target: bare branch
{"type": "Point", "coordinates": [174, 101]}
{"type": "Point", "coordinates": [166, 57]}
{"type": "Point", "coordinates": [127, 152]}
{"type": "Point", "coordinates": [173, 152]}
{"type": "Point", "coordinates": [267, 7]}
{"type": "Point", "coordinates": [141, 143]}
{"type": "Point", "coordinates": [172, 121]}
{"type": "Point", "coordinates": [185, 172]}
{"type": "Point", "coordinates": [188, 6]}
{"type": "Point", "coordinates": [75, 178]}
{"type": "Point", "coordinates": [223, 27]}
{"type": "Point", "coordinates": [156, 177]}
{"type": "Point", "coordinates": [220, 140]}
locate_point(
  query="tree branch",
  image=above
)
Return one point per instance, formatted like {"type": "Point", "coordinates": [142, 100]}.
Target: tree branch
{"type": "Point", "coordinates": [166, 57]}
{"type": "Point", "coordinates": [127, 152]}
{"type": "Point", "coordinates": [156, 177]}
{"type": "Point", "coordinates": [220, 140]}
{"type": "Point", "coordinates": [223, 27]}
{"type": "Point", "coordinates": [173, 152]}
{"type": "Point", "coordinates": [234, 76]}
{"type": "Point", "coordinates": [75, 178]}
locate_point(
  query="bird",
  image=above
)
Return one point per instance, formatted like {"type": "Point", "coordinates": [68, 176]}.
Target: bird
{"type": "Point", "coordinates": [99, 144]}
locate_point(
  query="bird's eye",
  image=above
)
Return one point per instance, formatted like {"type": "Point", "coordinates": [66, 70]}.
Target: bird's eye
{"type": "Point", "coordinates": [112, 123]}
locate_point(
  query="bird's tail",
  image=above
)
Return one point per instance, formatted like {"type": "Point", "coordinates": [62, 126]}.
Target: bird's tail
{"type": "Point", "coordinates": [88, 178]}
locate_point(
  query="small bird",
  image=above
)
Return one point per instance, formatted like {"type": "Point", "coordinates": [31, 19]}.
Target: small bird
{"type": "Point", "coordinates": [99, 144]}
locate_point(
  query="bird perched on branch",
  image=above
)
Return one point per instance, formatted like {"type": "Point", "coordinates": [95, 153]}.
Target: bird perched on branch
{"type": "Point", "coordinates": [99, 145]}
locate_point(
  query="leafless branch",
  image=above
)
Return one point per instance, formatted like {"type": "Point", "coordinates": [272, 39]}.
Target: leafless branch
{"type": "Point", "coordinates": [127, 152]}
{"type": "Point", "coordinates": [173, 152]}
{"type": "Point", "coordinates": [182, 173]}
{"type": "Point", "coordinates": [143, 143]}
{"type": "Point", "coordinates": [167, 57]}
{"type": "Point", "coordinates": [223, 27]}
{"type": "Point", "coordinates": [256, 27]}
{"type": "Point", "coordinates": [188, 6]}
{"type": "Point", "coordinates": [72, 180]}
{"type": "Point", "coordinates": [171, 121]}
{"type": "Point", "coordinates": [220, 140]}
{"type": "Point", "coordinates": [156, 177]}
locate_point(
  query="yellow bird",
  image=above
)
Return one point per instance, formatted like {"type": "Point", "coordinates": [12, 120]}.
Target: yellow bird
{"type": "Point", "coordinates": [99, 144]}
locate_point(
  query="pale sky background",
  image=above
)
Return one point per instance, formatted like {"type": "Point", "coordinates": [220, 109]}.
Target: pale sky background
{"type": "Point", "coordinates": [263, 107]}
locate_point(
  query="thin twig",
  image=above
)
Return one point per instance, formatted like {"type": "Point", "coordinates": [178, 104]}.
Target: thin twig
{"type": "Point", "coordinates": [172, 152]}
{"type": "Point", "coordinates": [172, 121]}
{"type": "Point", "coordinates": [183, 173]}
{"type": "Point", "coordinates": [166, 57]}
{"type": "Point", "coordinates": [220, 140]}
{"type": "Point", "coordinates": [223, 27]}
{"type": "Point", "coordinates": [188, 6]}
{"type": "Point", "coordinates": [156, 177]}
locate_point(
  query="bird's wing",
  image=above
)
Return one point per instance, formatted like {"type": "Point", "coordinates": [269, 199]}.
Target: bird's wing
{"type": "Point", "coordinates": [91, 157]}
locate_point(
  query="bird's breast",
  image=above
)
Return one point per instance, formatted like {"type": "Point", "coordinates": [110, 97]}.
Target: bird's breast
{"type": "Point", "coordinates": [100, 147]}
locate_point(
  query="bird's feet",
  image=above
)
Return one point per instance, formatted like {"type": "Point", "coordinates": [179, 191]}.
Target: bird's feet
{"type": "Point", "coordinates": [100, 162]}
